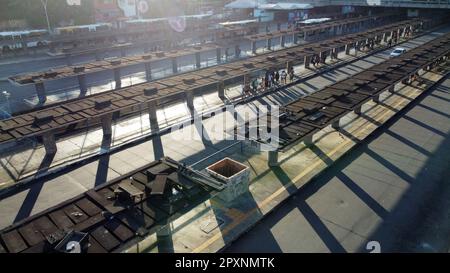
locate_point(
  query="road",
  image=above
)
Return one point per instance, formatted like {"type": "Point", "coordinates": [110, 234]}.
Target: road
{"type": "Point", "coordinates": [393, 188]}
{"type": "Point", "coordinates": [42, 63]}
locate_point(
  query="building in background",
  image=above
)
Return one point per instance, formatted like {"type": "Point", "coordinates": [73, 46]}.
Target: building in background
{"type": "Point", "coordinates": [107, 11]}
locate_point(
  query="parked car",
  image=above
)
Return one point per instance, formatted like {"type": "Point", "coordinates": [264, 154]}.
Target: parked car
{"type": "Point", "coordinates": [397, 52]}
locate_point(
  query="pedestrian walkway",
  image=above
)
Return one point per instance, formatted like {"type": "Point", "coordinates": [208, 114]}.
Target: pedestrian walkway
{"type": "Point", "coordinates": [385, 186]}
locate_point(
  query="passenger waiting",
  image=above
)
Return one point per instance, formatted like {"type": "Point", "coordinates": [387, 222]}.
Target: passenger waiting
{"type": "Point", "coordinates": [277, 76]}
{"type": "Point", "coordinates": [283, 77]}
{"type": "Point", "coordinates": [291, 75]}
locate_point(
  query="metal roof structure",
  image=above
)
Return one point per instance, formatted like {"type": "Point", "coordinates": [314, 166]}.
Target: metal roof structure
{"type": "Point", "coordinates": [308, 115]}
{"type": "Point", "coordinates": [135, 98]}
{"type": "Point", "coordinates": [97, 66]}
{"type": "Point", "coordinates": [110, 219]}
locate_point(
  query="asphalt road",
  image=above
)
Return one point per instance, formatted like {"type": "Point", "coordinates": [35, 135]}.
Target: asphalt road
{"type": "Point", "coordinates": [100, 81]}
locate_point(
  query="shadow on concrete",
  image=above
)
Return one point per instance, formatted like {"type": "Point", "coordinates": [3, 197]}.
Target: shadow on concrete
{"type": "Point", "coordinates": [33, 192]}
{"type": "Point", "coordinates": [397, 222]}
{"type": "Point", "coordinates": [101, 176]}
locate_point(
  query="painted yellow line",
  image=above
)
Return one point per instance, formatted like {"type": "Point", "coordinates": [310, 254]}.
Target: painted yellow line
{"type": "Point", "coordinates": [274, 195]}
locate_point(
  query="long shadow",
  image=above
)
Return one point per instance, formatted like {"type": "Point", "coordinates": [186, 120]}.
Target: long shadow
{"type": "Point", "coordinates": [408, 142]}
{"type": "Point", "coordinates": [444, 89]}
{"type": "Point", "coordinates": [382, 103]}
{"type": "Point", "coordinates": [341, 164]}
{"type": "Point", "coordinates": [411, 210]}
{"type": "Point", "coordinates": [201, 130]}
{"type": "Point", "coordinates": [349, 135]}
{"type": "Point", "coordinates": [310, 85]}
{"type": "Point", "coordinates": [426, 126]}
{"type": "Point", "coordinates": [329, 78]}
{"type": "Point", "coordinates": [101, 176]}
{"type": "Point", "coordinates": [370, 119]}
{"type": "Point", "coordinates": [314, 220]}
{"type": "Point", "coordinates": [403, 96]}
{"type": "Point", "coordinates": [25, 165]}
{"type": "Point", "coordinates": [30, 200]}
{"type": "Point", "coordinates": [45, 164]}
{"type": "Point", "coordinates": [284, 179]}
{"type": "Point", "coordinates": [320, 154]}
{"type": "Point", "coordinates": [320, 228]}
{"type": "Point", "coordinates": [439, 97]}
{"type": "Point", "coordinates": [396, 170]}
{"type": "Point", "coordinates": [363, 195]}
{"type": "Point", "coordinates": [357, 190]}
{"type": "Point", "coordinates": [435, 111]}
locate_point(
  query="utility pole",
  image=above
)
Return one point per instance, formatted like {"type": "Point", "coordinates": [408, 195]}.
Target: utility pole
{"type": "Point", "coordinates": [136, 6]}
{"type": "Point", "coordinates": [44, 4]}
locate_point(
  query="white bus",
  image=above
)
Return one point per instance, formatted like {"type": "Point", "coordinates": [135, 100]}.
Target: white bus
{"type": "Point", "coordinates": [83, 29]}
{"type": "Point", "coordinates": [14, 40]}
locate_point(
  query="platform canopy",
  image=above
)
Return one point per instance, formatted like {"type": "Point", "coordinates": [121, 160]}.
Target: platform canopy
{"type": "Point", "coordinates": [285, 6]}
{"type": "Point", "coordinates": [251, 4]}
{"type": "Point", "coordinates": [242, 4]}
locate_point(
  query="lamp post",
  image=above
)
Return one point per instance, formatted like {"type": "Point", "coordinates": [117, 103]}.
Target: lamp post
{"type": "Point", "coordinates": [136, 6]}
{"type": "Point", "coordinates": [6, 95]}
{"type": "Point", "coordinates": [44, 5]}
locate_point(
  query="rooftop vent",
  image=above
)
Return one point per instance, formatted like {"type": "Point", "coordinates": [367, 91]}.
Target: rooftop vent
{"type": "Point", "coordinates": [150, 91]}
{"type": "Point", "coordinates": [189, 81]}
{"type": "Point", "coordinates": [360, 83]}
{"type": "Point", "coordinates": [50, 74]}
{"type": "Point", "coordinates": [221, 72]}
{"type": "Point", "coordinates": [43, 118]}
{"type": "Point", "coordinates": [102, 103]}
{"type": "Point", "coordinates": [115, 62]}
{"type": "Point", "coordinates": [78, 69]}
{"type": "Point", "coordinates": [380, 75]}
{"type": "Point", "coordinates": [310, 109]}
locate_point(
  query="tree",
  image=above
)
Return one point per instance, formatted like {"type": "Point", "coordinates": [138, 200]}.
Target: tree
{"type": "Point", "coordinates": [58, 10]}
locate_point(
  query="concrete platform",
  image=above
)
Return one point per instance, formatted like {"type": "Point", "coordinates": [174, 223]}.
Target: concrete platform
{"type": "Point", "coordinates": [384, 191]}
{"type": "Point", "coordinates": [271, 186]}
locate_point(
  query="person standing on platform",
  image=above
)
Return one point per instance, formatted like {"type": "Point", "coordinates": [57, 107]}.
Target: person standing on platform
{"type": "Point", "coordinates": [283, 77]}
{"type": "Point", "coordinates": [291, 74]}
{"type": "Point", "coordinates": [255, 85]}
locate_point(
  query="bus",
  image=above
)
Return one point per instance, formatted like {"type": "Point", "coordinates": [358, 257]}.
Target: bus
{"type": "Point", "coordinates": [17, 40]}
{"type": "Point", "coordinates": [72, 30]}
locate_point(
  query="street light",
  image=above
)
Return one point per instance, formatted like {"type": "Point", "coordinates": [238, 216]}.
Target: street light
{"type": "Point", "coordinates": [7, 95]}
{"type": "Point", "coordinates": [44, 4]}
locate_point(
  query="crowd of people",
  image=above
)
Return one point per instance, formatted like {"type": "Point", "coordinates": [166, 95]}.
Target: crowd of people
{"type": "Point", "coordinates": [271, 79]}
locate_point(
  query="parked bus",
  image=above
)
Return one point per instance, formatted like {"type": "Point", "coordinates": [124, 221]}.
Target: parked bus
{"type": "Point", "coordinates": [83, 29]}
{"type": "Point", "coordinates": [16, 40]}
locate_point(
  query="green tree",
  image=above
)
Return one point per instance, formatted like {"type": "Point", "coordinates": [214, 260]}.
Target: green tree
{"type": "Point", "coordinates": [33, 12]}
